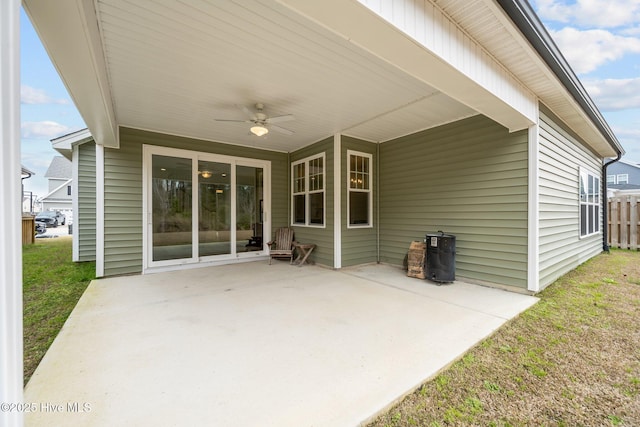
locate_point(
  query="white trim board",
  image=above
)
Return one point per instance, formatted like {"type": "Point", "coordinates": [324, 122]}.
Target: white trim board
{"type": "Point", "coordinates": [99, 210]}
{"type": "Point", "coordinates": [337, 201]}
{"type": "Point", "coordinates": [533, 262]}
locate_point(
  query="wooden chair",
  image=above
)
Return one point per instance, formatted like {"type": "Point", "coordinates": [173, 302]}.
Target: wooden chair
{"type": "Point", "coordinates": [282, 244]}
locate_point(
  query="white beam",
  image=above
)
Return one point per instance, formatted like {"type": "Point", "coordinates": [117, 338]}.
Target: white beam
{"type": "Point", "coordinates": [484, 86]}
{"type": "Point", "coordinates": [11, 349]}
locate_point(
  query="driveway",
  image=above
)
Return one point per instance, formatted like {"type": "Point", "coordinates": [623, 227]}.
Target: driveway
{"type": "Point", "coordinates": [53, 232]}
{"type": "Point", "coordinates": [257, 345]}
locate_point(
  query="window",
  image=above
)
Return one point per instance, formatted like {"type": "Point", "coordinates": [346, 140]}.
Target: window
{"type": "Point", "coordinates": [360, 200]}
{"type": "Point", "coordinates": [589, 203]}
{"type": "Point", "coordinates": [308, 193]}
{"type": "Point", "coordinates": [622, 178]}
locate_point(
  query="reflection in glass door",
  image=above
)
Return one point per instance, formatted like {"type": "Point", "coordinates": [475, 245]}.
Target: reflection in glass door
{"type": "Point", "coordinates": [203, 207]}
{"type": "Point", "coordinates": [214, 213]}
{"type": "Point", "coordinates": [249, 208]}
{"type": "Point", "coordinates": [171, 208]}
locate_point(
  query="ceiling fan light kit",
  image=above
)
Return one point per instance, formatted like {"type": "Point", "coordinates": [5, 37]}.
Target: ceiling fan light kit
{"type": "Point", "coordinates": [261, 123]}
{"type": "Point", "coordinates": [259, 130]}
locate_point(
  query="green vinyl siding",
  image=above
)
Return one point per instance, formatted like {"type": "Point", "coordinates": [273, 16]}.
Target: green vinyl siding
{"type": "Point", "coordinates": [359, 245]}
{"type": "Point", "coordinates": [467, 178]}
{"type": "Point", "coordinates": [123, 209]}
{"type": "Point", "coordinates": [561, 156]}
{"type": "Point", "coordinates": [322, 237]}
{"type": "Point", "coordinates": [123, 191]}
{"type": "Point", "coordinates": [85, 219]}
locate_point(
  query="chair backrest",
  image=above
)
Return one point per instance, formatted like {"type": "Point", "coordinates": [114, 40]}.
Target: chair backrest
{"type": "Point", "coordinates": [283, 238]}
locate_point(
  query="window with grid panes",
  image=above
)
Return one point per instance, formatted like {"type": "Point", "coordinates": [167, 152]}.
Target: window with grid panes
{"type": "Point", "coordinates": [589, 203]}
{"type": "Point", "coordinates": [360, 200]}
{"type": "Point", "coordinates": [308, 191]}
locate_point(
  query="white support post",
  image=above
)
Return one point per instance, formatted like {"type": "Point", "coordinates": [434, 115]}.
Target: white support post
{"type": "Point", "coordinates": [11, 350]}
{"type": "Point", "coordinates": [75, 204]}
{"type": "Point", "coordinates": [337, 201]}
{"type": "Point", "coordinates": [533, 265]}
{"type": "Point", "coordinates": [99, 210]}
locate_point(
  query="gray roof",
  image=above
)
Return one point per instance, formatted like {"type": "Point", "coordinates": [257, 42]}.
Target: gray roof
{"type": "Point", "coordinates": [26, 171]}
{"type": "Point", "coordinates": [60, 167]}
{"type": "Point", "coordinates": [623, 186]}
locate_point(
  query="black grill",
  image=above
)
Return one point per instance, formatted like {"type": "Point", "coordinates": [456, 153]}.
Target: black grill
{"type": "Point", "coordinates": [440, 262]}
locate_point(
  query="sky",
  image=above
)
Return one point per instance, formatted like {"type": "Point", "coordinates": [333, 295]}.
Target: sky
{"type": "Point", "coordinates": [599, 38]}
{"type": "Point", "coordinates": [47, 110]}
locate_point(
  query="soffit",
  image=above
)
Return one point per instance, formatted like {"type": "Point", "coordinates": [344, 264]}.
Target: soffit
{"type": "Point", "coordinates": [486, 22]}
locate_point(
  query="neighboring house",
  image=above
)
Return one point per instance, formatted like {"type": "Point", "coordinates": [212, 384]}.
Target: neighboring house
{"type": "Point", "coordinates": [60, 187]}
{"type": "Point", "coordinates": [83, 195]}
{"type": "Point", "coordinates": [623, 175]}
{"type": "Point", "coordinates": [410, 117]}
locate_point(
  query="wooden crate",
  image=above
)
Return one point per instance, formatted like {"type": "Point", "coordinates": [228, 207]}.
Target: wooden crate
{"type": "Point", "coordinates": [415, 260]}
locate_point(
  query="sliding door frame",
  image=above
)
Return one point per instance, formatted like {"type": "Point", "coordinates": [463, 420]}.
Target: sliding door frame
{"type": "Point", "coordinates": [150, 266]}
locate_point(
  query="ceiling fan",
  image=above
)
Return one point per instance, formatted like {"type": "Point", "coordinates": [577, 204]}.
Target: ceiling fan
{"type": "Point", "coordinates": [261, 123]}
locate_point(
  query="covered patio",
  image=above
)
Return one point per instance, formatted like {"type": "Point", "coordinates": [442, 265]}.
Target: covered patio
{"type": "Point", "coordinates": [254, 344]}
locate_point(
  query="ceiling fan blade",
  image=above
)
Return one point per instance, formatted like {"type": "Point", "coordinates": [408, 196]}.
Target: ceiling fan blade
{"type": "Point", "coordinates": [248, 112]}
{"type": "Point", "coordinates": [235, 121]}
{"type": "Point", "coordinates": [281, 130]}
{"type": "Point", "coordinates": [278, 119]}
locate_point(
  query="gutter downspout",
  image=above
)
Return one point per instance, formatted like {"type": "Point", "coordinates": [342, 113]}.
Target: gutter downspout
{"type": "Point", "coordinates": [29, 175]}
{"type": "Point", "coordinates": [605, 207]}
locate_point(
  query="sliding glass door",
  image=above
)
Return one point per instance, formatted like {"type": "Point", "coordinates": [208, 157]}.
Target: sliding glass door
{"type": "Point", "coordinates": [202, 207]}
{"type": "Point", "coordinates": [172, 217]}
{"type": "Point", "coordinates": [249, 208]}
{"type": "Point", "coordinates": [214, 210]}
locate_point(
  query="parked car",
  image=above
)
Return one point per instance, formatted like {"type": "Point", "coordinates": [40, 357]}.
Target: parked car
{"type": "Point", "coordinates": [41, 227]}
{"type": "Point", "coordinates": [51, 218]}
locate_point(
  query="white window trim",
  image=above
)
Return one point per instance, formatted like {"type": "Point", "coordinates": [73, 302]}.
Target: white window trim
{"type": "Point", "coordinates": [589, 174]}
{"type": "Point", "coordinates": [370, 190]}
{"type": "Point", "coordinates": [611, 179]}
{"type": "Point", "coordinates": [622, 177]}
{"type": "Point", "coordinates": [307, 193]}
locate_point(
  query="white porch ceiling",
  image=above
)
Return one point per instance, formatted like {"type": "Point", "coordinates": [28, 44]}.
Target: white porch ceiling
{"type": "Point", "coordinates": [176, 66]}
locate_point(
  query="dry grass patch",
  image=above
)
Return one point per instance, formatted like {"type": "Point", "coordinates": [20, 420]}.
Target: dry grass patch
{"type": "Point", "coordinates": [572, 359]}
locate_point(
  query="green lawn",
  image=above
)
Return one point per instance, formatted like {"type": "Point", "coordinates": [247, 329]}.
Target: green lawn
{"type": "Point", "coordinates": [52, 285]}
{"type": "Point", "coordinates": [573, 359]}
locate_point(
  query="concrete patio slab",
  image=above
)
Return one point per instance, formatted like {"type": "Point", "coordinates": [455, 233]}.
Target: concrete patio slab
{"type": "Point", "coordinates": [253, 344]}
